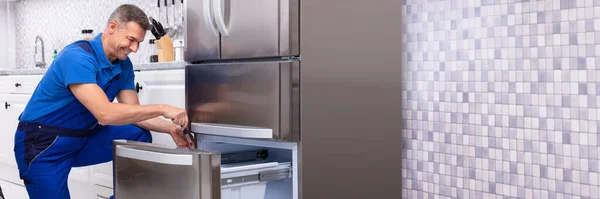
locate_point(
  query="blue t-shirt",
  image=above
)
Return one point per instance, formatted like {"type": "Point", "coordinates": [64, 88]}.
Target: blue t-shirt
{"type": "Point", "coordinates": [82, 62]}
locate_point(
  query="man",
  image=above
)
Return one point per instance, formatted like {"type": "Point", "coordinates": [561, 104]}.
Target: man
{"type": "Point", "coordinates": [70, 121]}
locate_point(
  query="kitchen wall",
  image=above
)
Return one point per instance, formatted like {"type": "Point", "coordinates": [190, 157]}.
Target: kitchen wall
{"type": "Point", "coordinates": [59, 22]}
{"type": "Point", "coordinates": [500, 98]}
{"type": "Point", "coordinates": [7, 34]}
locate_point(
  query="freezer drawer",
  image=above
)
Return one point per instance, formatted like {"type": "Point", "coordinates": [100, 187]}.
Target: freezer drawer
{"type": "Point", "coordinates": [244, 99]}
{"type": "Point", "coordinates": [241, 29]}
{"type": "Point", "coordinates": [145, 170]}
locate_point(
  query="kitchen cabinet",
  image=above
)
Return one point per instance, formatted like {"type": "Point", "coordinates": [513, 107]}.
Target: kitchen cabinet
{"type": "Point", "coordinates": [102, 192]}
{"type": "Point", "coordinates": [12, 106]}
{"type": "Point", "coordinates": [13, 191]}
{"type": "Point", "coordinates": [162, 87]}
{"type": "Point", "coordinates": [15, 92]}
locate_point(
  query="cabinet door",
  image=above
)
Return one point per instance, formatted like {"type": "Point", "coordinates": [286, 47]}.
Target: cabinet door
{"type": "Point", "coordinates": [11, 190]}
{"type": "Point", "coordinates": [80, 174]}
{"type": "Point", "coordinates": [102, 174]}
{"type": "Point", "coordinates": [162, 87]}
{"type": "Point", "coordinates": [80, 190]}
{"type": "Point", "coordinates": [103, 192]}
{"type": "Point", "coordinates": [12, 106]}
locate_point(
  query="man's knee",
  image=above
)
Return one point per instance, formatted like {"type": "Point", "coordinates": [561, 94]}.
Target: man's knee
{"type": "Point", "coordinates": [141, 135]}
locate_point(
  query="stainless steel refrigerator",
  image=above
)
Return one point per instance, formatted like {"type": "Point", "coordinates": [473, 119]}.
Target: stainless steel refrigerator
{"type": "Point", "coordinates": [314, 86]}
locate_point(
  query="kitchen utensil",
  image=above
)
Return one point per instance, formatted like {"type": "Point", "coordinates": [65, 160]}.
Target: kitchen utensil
{"type": "Point", "coordinates": [167, 13]}
{"type": "Point", "coordinates": [173, 11]}
{"type": "Point", "coordinates": [159, 10]}
{"type": "Point", "coordinates": [172, 28]}
{"type": "Point", "coordinates": [177, 28]}
{"type": "Point", "coordinates": [158, 26]}
{"type": "Point", "coordinates": [155, 33]}
{"type": "Point", "coordinates": [182, 19]}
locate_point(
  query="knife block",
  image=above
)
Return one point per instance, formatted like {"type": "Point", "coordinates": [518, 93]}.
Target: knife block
{"type": "Point", "coordinates": [165, 49]}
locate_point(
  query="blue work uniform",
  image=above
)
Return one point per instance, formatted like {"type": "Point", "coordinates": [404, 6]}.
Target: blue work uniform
{"type": "Point", "coordinates": [56, 132]}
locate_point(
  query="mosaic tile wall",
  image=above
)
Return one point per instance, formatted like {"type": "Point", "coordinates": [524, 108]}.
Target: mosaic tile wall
{"type": "Point", "coordinates": [59, 22]}
{"type": "Point", "coordinates": [501, 99]}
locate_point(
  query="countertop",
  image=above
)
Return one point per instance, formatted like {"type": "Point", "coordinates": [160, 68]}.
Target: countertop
{"type": "Point", "coordinates": [139, 67]}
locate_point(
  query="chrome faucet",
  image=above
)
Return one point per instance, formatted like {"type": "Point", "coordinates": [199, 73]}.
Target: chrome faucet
{"type": "Point", "coordinates": [41, 64]}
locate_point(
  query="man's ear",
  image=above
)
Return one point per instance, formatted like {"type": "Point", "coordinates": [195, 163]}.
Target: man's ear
{"type": "Point", "coordinates": [112, 26]}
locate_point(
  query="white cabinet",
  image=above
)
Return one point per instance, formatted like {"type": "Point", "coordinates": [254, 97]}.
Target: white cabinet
{"type": "Point", "coordinates": [13, 191]}
{"type": "Point", "coordinates": [12, 106]}
{"type": "Point", "coordinates": [102, 192]}
{"type": "Point", "coordinates": [102, 174]}
{"type": "Point", "coordinates": [162, 87]}
{"type": "Point", "coordinates": [15, 92]}
{"type": "Point", "coordinates": [153, 87]}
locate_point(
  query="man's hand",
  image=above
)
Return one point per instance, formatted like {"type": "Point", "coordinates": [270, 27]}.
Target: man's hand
{"type": "Point", "coordinates": [177, 115]}
{"type": "Point", "coordinates": [180, 138]}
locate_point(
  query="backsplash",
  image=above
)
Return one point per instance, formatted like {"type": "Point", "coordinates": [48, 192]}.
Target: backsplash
{"type": "Point", "coordinates": [59, 22]}
{"type": "Point", "coordinates": [7, 54]}
{"type": "Point", "coordinates": [500, 99]}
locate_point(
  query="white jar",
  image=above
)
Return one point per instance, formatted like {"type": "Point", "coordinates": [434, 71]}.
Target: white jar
{"type": "Point", "coordinates": [178, 48]}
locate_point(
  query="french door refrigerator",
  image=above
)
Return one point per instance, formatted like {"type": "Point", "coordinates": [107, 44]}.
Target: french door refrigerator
{"type": "Point", "coordinates": [297, 98]}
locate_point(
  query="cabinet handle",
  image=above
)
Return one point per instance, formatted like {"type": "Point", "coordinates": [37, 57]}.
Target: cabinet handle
{"type": "Point", "coordinates": [17, 84]}
{"type": "Point", "coordinates": [138, 87]}
{"type": "Point", "coordinates": [6, 105]}
{"type": "Point", "coordinates": [101, 196]}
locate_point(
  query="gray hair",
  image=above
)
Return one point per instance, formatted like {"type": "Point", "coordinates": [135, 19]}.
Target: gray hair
{"type": "Point", "coordinates": [130, 13]}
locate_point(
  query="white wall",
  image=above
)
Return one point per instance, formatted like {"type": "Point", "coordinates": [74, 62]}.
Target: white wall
{"type": "Point", "coordinates": [7, 35]}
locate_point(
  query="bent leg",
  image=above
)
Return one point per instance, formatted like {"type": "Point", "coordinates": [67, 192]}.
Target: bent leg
{"type": "Point", "coordinates": [45, 162]}
{"type": "Point", "coordinates": [98, 147]}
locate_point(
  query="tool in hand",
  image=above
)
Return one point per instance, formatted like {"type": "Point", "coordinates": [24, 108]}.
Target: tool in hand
{"type": "Point", "coordinates": [188, 137]}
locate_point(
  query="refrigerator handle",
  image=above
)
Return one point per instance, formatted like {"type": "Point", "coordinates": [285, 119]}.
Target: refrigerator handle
{"type": "Point", "coordinates": [219, 18]}
{"type": "Point", "coordinates": [208, 16]}
{"type": "Point", "coordinates": [151, 156]}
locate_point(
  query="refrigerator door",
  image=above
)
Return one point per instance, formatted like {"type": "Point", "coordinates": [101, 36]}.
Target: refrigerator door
{"type": "Point", "coordinates": [202, 36]}
{"type": "Point", "coordinates": [144, 170]}
{"type": "Point", "coordinates": [254, 29]}
{"type": "Point", "coordinates": [244, 99]}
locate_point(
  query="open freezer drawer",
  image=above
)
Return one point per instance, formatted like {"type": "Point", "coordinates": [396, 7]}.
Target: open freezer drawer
{"type": "Point", "coordinates": [145, 170]}
{"type": "Point", "coordinates": [249, 179]}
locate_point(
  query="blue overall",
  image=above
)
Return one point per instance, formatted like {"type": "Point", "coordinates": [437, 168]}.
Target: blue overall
{"type": "Point", "coordinates": [56, 132]}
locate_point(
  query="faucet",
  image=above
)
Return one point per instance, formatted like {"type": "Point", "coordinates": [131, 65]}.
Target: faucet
{"type": "Point", "coordinates": [41, 64]}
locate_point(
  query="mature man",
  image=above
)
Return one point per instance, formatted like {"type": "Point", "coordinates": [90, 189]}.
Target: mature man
{"type": "Point", "coordinates": [70, 121]}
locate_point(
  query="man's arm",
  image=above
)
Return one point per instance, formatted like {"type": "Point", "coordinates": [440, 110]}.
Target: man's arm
{"type": "Point", "coordinates": [107, 113]}
{"type": "Point", "coordinates": [154, 124]}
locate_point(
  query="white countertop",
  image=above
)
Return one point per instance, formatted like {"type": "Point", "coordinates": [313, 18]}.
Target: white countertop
{"type": "Point", "coordinates": [140, 67]}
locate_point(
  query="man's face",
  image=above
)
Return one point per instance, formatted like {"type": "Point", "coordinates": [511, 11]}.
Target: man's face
{"type": "Point", "coordinates": [126, 38]}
